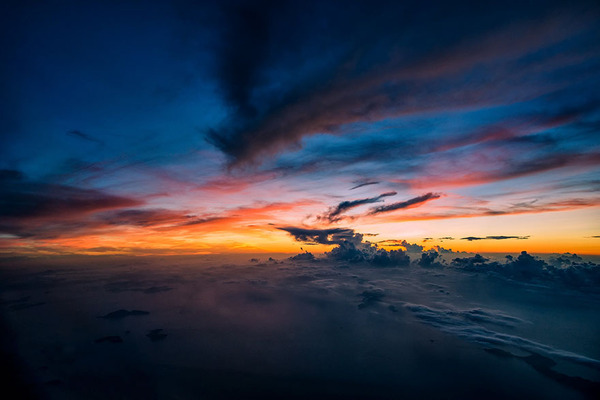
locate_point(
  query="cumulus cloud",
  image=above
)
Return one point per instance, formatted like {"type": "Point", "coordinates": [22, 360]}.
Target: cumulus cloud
{"type": "Point", "coordinates": [428, 259]}
{"type": "Point", "coordinates": [306, 256]}
{"type": "Point", "coordinates": [569, 270]}
{"type": "Point", "coordinates": [410, 247]}
{"type": "Point", "coordinates": [443, 250]}
{"type": "Point", "coordinates": [474, 263]}
{"type": "Point", "coordinates": [350, 246]}
{"type": "Point", "coordinates": [323, 236]}
{"type": "Point", "coordinates": [367, 253]}
{"type": "Point", "coordinates": [564, 260]}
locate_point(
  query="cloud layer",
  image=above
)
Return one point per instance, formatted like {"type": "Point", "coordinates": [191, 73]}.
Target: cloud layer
{"type": "Point", "coordinates": [350, 246]}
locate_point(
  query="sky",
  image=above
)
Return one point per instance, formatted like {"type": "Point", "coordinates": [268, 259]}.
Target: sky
{"type": "Point", "coordinates": [269, 126]}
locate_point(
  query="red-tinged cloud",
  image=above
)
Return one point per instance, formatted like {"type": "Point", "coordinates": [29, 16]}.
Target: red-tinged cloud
{"type": "Point", "coordinates": [145, 223]}
{"type": "Point", "coordinates": [506, 169]}
{"type": "Point", "coordinates": [474, 212]}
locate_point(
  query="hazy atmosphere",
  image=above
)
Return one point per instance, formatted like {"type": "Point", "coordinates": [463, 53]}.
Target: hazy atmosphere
{"type": "Point", "coordinates": [285, 199]}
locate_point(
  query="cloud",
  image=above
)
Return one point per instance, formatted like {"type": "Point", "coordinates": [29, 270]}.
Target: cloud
{"type": "Point", "coordinates": [273, 110]}
{"type": "Point", "coordinates": [350, 246]}
{"type": "Point", "coordinates": [443, 250]}
{"type": "Point", "coordinates": [145, 217]}
{"type": "Point", "coordinates": [414, 202]}
{"type": "Point", "coordinates": [334, 214]}
{"type": "Point", "coordinates": [474, 263]}
{"type": "Point", "coordinates": [410, 247]}
{"type": "Point", "coordinates": [564, 260]}
{"type": "Point", "coordinates": [23, 199]}
{"type": "Point", "coordinates": [479, 211]}
{"type": "Point", "coordinates": [428, 259]}
{"type": "Point", "coordinates": [368, 253]}
{"type": "Point", "coordinates": [466, 325]}
{"type": "Point", "coordinates": [364, 184]}
{"type": "Point", "coordinates": [509, 165]}
{"type": "Point", "coordinates": [472, 238]}
{"type": "Point", "coordinates": [568, 269]}
{"type": "Point", "coordinates": [243, 51]}
{"type": "Point", "coordinates": [323, 236]}
{"type": "Point", "coordinates": [306, 256]}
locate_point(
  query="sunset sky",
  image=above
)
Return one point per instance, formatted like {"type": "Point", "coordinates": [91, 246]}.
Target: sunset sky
{"type": "Point", "coordinates": [261, 127]}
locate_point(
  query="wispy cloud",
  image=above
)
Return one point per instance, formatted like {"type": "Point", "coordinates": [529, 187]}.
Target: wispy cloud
{"type": "Point", "coordinates": [364, 184]}
{"type": "Point", "coordinates": [335, 213]}
{"type": "Point", "coordinates": [414, 202]}
{"type": "Point", "coordinates": [472, 238]}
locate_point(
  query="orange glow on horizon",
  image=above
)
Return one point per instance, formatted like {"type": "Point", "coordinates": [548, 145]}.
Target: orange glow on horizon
{"type": "Point", "coordinates": [255, 230]}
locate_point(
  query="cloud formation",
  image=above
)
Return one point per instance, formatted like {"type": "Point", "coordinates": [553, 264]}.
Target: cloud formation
{"type": "Point", "coordinates": [360, 82]}
{"type": "Point", "coordinates": [362, 184]}
{"type": "Point", "coordinates": [463, 323]}
{"type": "Point", "coordinates": [334, 214]}
{"type": "Point", "coordinates": [322, 236]}
{"type": "Point", "coordinates": [568, 269]}
{"type": "Point", "coordinates": [472, 238]}
{"type": "Point", "coordinates": [350, 247]}
{"type": "Point", "coordinates": [414, 202]}
{"type": "Point", "coordinates": [24, 199]}
{"type": "Point", "coordinates": [572, 272]}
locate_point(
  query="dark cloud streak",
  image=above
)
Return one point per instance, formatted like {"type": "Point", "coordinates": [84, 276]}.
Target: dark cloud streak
{"type": "Point", "coordinates": [414, 202]}
{"type": "Point", "coordinates": [364, 184]}
{"type": "Point", "coordinates": [472, 238]}
{"type": "Point", "coordinates": [24, 199]}
{"type": "Point", "coordinates": [334, 214]}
